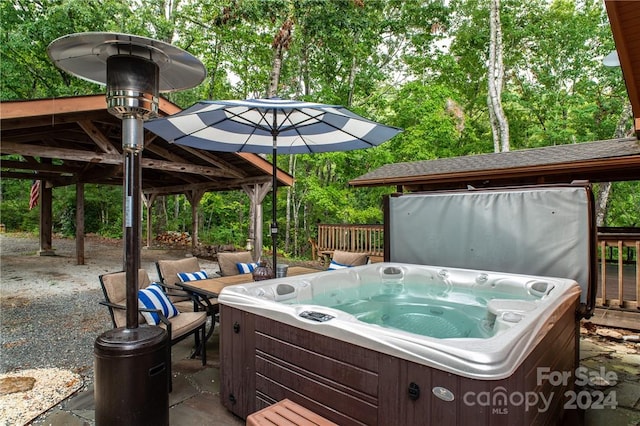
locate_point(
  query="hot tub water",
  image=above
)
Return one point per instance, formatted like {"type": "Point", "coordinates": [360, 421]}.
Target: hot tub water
{"type": "Point", "coordinates": [431, 306]}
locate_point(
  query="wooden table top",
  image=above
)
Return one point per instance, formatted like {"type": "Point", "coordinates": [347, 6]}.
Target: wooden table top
{"type": "Point", "coordinates": [212, 286]}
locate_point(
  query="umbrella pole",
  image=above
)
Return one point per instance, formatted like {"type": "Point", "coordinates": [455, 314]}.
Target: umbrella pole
{"type": "Point", "coordinates": [274, 224]}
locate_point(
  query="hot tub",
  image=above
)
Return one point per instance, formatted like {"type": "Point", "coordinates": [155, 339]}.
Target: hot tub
{"type": "Point", "coordinates": [404, 343]}
{"type": "Point", "coordinates": [396, 343]}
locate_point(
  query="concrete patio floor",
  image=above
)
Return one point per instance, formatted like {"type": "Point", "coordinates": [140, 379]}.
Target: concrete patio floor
{"type": "Point", "coordinates": [195, 399]}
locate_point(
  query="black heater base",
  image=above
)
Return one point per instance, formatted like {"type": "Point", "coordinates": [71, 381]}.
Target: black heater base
{"type": "Point", "coordinates": [131, 370]}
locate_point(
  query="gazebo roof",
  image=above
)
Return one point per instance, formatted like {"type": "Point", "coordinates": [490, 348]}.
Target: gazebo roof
{"type": "Point", "coordinates": [610, 160]}
{"type": "Point", "coordinates": [74, 139]}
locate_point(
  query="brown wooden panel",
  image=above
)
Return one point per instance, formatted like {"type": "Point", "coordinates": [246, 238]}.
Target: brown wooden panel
{"type": "Point", "coordinates": [237, 367]}
{"type": "Point", "coordinates": [272, 361]}
{"type": "Point", "coordinates": [390, 391]}
{"type": "Point", "coordinates": [263, 401]}
{"type": "Point", "coordinates": [337, 386]}
{"type": "Point", "coordinates": [226, 355]}
{"type": "Point", "coordinates": [358, 356]}
{"type": "Point", "coordinates": [416, 411]}
{"type": "Point", "coordinates": [444, 413]}
{"type": "Point", "coordinates": [557, 352]}
{"type": "Point", "coordinates": [472, 410]}
{"type": "Point", "coordinates": [320, 367]}
{"type": "Point", "coordinates": [279, 382]}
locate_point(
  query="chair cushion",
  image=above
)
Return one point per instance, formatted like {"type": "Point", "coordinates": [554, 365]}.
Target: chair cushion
{"type": "Point", "coordinates": [185, 323]}
{"type": "Point", "coordinates": [169, 269]}
{"type": "Point", "coordinates": [153, 297]}
{"type": "Point", "coordinates": [246, 268]}
{"type": "Point", "coordinates": [348, 258]}
{"type": "Point", "coordinates": [192, 276]}
{"type": "Point", "coordinates": [335, 265]}
{"type": "Point", "coordinates": [227, 261]}
{"type": "Point", "coordinates": [115, 291]}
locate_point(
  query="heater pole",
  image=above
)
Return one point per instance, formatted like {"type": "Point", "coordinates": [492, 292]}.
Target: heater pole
{"type": "Point", "coordinates": [132, 363]}
{"type": "Point", "coordinates": [132, 144]}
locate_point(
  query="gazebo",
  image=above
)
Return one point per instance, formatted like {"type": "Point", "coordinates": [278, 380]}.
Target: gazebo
{"type": "Point", "coordinates": [75, 141]}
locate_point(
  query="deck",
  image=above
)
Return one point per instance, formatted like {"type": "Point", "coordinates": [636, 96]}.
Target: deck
{"type": "Point", "coordinates": [617, 251]}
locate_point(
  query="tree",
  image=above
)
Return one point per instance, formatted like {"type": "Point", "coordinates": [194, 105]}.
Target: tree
{"type": "Point", "coordinates": [422, 66]}
{"type": "Point", "coordinates": [495, 75]}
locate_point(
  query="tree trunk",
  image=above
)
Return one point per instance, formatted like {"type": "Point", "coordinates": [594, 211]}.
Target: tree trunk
{"type": "Point", "coordinates": [287, 235]}
{"type": "Point", "coordinates": [495, 75]}
{"type": "Point", "coordinates": [280, 43]}
{"type": "Point", "coordinates": [274, 76]}
{"type": "Point", "coordinates": [601, 204]}
{"type": "Point", "coordinates": [352, 80]}
{"type": "Point", "coordinates": [622, 130]}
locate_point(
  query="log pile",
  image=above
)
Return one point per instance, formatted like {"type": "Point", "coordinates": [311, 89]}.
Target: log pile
{"type": "Point", "coordinates": [182, 240]}
{"type": "Point", "coordinates": [173, 239]}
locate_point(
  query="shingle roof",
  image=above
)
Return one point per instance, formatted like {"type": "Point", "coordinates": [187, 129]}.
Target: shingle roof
{"type": "Point", "coordinates": [594, 161]}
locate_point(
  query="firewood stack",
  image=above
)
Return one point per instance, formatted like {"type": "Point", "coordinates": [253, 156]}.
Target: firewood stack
{"type": "Point", "coordinates": [173, 239]}
{"type": "Point", "coordinates": [182, 240]}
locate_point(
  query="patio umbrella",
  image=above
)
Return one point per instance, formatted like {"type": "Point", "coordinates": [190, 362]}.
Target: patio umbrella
{"type": "Point", "coordinates": [270, 126]}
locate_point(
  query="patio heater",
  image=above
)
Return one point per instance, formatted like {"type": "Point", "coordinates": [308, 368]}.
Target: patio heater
{"type": "Point", "coordinates": [131, 363]}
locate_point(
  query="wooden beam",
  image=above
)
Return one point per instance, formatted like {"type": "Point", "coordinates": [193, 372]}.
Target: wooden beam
{"type": "Point", "coordinates": [206, 186]}
{"type": "Point", "coordinates": [174, 156]}
{"type": "Point", "coordinates": [80, 223]}
{"type": "Point", "coordinates": [210, 158]}
{"type": "Point", "coordinates": [92, 157]}
{"type": "Point", "coordinates": [37, 166]}
{"type": "Point", "coordinates": [52, 107]}
{"type": "Point", "coordinates": [625, 42]}
{"type": "Point", "coordinates": [98, 137]}
{"type": "Point", "coordinates": [265, 166]}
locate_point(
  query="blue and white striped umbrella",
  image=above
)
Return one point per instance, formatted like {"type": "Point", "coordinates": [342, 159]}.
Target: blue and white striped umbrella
{"type": "Point", "coordinates": [270, 126]}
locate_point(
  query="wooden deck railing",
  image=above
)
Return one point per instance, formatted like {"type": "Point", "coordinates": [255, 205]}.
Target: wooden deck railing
{"type": "Point", "coordinates": [356, 238]}
{"type": "Point", "coordinates": [619, 279]}
{"type": "Point", "coordinates": [618, 275]}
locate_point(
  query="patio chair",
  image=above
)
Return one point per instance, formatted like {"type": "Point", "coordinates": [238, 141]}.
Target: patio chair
{"type": "Point", "coordinates": [172, 272]}
{"type": "Point", "coordinates": [346, 259]}
{"type": "Point", "coordinates": [179, 327]}
{"type": "Point", "coordinates": [228, 262]}
{"type": "Point", "coordinates": [168, 272]}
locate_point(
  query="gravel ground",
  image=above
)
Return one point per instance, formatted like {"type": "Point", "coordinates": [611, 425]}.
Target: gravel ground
{"type": "Point", "coordinates": [49, 310]}
{"type": "Point", "coordinates": [52, 331]}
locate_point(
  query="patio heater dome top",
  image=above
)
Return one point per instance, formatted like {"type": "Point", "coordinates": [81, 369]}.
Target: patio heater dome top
{"type": "Point", "coordinates": [85, 56]}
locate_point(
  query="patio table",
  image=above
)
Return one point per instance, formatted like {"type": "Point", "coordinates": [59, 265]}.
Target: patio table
{"type": "Point", "coordinates": [210, 288]}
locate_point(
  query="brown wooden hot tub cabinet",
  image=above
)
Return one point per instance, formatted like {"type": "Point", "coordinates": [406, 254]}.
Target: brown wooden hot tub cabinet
{"type": "Point", "coordinates": [264, 361]}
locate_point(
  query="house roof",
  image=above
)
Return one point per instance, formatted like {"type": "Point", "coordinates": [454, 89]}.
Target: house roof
{"type": "Point", "coordinates": [609, 160]}
{"type": "Point", "coordinates": [75, 139]}
{"type": "Point", "coordinates": [624, 19]}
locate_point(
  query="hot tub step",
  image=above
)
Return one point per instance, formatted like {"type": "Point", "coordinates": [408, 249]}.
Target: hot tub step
{"type": "Point", "coordinates": [287, 413]}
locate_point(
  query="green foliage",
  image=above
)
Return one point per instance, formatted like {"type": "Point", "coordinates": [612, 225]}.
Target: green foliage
{"type": "Point", "coordinates": [14, 208]}
{"type": "Point", "coordinates": [624, 204]}
{"type": "Point", "coordinates": [416, 65]}
{"type": "Point", "coordinates": [225, 218]}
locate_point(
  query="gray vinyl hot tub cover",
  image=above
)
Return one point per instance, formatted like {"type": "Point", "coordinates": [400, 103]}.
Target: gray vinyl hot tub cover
{"type": "Point", "coordinates": [540, 230]}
